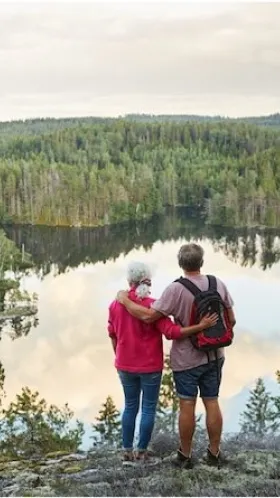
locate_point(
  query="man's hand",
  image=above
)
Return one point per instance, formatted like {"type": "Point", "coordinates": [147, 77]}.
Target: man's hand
{"type": "Point", "coordinates": [208, 321]}
{"type": "Point", "coordinates": [121, 295]}
{"type": "Point", "coordinates": [147, 315]}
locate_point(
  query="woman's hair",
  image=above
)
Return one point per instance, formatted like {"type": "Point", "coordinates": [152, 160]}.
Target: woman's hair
{"type": "Point", "coordinates": [139, 276]}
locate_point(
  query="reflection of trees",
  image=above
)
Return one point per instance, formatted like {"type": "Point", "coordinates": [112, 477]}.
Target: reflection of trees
{"type": "Point", "coordinates": [63, 248]}
{"type": "Point", "coordinates": [18, 310]}
{"type": "Point", "coordinates": [241, 249]}
{"type": "Point", "coordinates": [253, 247]}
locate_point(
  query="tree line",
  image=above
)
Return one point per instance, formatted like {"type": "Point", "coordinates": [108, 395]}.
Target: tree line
{"type": "Point", "coordinates": [37, 126]}
{"type": "Point", "coordinates": [116, 170]}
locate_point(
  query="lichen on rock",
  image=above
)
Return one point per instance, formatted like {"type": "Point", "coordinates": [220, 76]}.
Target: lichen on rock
{"type": "Point", "coordinates": [249, 473]}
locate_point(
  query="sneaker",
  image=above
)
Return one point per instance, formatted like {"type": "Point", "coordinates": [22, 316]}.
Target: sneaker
{"type": "Point", "coordinates": [183, 462]}
{"type": "Point", "coordinates": [128, 459]}
{"type": "Point", "coordinates": [145, 457]}
{"type": "Point", "coordinates": [215, 460]}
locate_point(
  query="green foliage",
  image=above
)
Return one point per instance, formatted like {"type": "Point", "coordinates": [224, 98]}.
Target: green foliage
{"type": "Point", "coordinates": [30, 427]}
{"type": "Point", "coordinates": [18, 309]}
{"type": "Point", "coordinates": [108, 427]}
{"type": "Point", "coordinates": [2, 382]}
{"type": "Point", "coordinates": [45, 125]}
{"type": "Point", "coordinates": [261, 415]}
{"type": "Point", "coordinates": [97, 172]}
{"type": "Point", "coordinates": [276, 401]}
{"type": "Point", "coordinates": [11, 258]}
{"type": "Point", "coordinates": [168, 405]}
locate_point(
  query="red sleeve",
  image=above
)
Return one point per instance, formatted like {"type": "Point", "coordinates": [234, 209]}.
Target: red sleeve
{"type": "Point", "coordinates": [110, 327]}
{"type": "Point", "coordinates": [166, 327]}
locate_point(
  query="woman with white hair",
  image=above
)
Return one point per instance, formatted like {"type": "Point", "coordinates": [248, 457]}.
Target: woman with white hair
{"type": "Point", "coordinates": [138, 351]}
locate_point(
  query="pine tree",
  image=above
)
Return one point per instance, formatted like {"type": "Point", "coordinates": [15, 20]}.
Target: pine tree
{"type": "Point", "coordinates": [168, 404]}
{"type": "Point", "coordinates": [2, 383]}
{"type": "Point", "coordinates": [276, 400]}
{"type": "Point", "coordinates": [259, 416]}
{"type": "Point", "coordinates": [30, 426]}
{"type": "Point", "coordinates": [108, 424]}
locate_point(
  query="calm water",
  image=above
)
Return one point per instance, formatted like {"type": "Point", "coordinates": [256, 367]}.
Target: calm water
{"type": "Point", "coordinates": [68, 357]}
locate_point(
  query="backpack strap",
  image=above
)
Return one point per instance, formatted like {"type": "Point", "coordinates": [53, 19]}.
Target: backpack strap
{"type": "Point", "coordinates": [189, 285]}
{"type": "Point", "coordinates": [212, 282]}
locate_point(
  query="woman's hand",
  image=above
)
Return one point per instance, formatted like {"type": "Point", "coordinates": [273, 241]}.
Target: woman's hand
{"type": "Point", "coordinates": [208, 321]}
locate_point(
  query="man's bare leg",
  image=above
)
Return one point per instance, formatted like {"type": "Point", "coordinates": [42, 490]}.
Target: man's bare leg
{"type": "Point", "coordinates": [187, 425]}
{"type": "Point", "coordinates": [214, 424]}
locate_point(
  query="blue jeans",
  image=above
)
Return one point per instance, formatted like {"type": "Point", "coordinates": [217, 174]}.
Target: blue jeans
{"type": "Point", "coordinates": [133, 385]}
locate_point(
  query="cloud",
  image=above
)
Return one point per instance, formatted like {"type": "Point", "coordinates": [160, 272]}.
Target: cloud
{"type": "Point", "coordinates": [110, 59]}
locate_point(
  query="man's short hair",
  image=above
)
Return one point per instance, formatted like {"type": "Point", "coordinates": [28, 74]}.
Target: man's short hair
{"type": "Point", "coordinates": [190, 257]}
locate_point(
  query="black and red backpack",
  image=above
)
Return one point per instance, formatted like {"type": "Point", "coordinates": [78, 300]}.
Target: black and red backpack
{"type": "Point", "coordinates": [209, 301]}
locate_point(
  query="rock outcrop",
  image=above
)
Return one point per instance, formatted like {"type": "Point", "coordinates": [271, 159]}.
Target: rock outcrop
{"type": "Point", "coordinates": [100, 473]}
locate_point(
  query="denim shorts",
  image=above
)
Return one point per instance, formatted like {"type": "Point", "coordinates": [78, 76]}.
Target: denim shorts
{"type": "Point", "coordinates": [205, 378]}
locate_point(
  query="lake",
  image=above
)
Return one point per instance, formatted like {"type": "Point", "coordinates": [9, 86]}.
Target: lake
{"type": "Point", "coordinates": [68, 357]}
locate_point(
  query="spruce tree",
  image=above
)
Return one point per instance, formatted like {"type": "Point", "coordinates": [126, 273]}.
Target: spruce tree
{"type": "Point", "coordinates": [108, 424]}
{"type": "Point", "coordinates": [259, 416]}
{"type": "Point", "coordinates": [276, 400]}
{"type": "Point", "coordinates": [168, 404]}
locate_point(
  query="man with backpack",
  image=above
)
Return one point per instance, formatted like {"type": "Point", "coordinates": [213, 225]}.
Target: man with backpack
{"type": "Point", "coordinates": [196, 361]}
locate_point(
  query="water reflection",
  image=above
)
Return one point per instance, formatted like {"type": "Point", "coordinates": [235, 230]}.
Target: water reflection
{"type": "Point", "coordinates": [68, 357]}
{"type": "Point", "coordinates": [63, 248]}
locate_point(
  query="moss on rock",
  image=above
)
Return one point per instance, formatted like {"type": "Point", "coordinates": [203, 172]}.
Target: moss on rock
{"type": "Point", "coordinates": [57, 454]}
{"type": "Point", "coordinates": [72, 469]}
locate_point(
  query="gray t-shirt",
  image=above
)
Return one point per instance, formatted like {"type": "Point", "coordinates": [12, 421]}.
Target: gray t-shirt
{"type": "Point", "coordinates": [177, 301]}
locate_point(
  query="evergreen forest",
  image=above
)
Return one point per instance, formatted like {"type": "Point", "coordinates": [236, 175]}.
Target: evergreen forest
{"type": "Point", "coordinates": [97, 171]}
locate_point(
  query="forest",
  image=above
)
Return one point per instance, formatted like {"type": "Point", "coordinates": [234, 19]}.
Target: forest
{"type": "Point", "coordinates": [96, 171]}
{"type": "Point", "coordinates": [37, 126]}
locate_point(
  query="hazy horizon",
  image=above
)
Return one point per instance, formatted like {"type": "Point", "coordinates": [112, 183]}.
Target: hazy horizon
{"type": "Point", "coordinates": [34, 118]}
{"type": "Point", "coordinates": [110, 59]}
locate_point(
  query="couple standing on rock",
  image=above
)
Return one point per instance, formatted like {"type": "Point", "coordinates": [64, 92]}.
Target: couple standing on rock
{"type": "Point", "coordinates": [202, 309]}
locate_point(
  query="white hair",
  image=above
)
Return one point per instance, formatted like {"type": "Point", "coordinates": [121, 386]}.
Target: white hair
{"type": "Point", "coordinates": [139, 275]}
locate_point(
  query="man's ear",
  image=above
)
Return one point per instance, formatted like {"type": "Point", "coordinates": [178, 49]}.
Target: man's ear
{"type": "Point", "coordinates": [202, 263]}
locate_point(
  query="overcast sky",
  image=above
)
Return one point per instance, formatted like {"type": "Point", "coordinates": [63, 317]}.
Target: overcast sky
{"type": "Point", "coordinates": [112, 58]}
